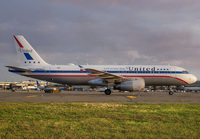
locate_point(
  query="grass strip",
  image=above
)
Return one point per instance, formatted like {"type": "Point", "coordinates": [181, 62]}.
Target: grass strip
{"type": "Point", "coordinates": [99, 120]}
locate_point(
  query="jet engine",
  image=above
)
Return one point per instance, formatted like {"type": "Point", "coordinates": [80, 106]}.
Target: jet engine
{"type": "Point", "coordinates": [97, 82]}
{"type": "Point", "coordinates": [136, 84]}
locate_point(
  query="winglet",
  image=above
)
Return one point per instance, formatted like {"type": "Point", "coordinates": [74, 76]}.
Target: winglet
{"type": "Point", "coordinates": [81, 68]}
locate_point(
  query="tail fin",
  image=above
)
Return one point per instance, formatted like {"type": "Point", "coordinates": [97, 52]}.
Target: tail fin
{"type": "Point", "coordinates": [38, 83]}
{"type": "Point", "coordinates": [26, 54]}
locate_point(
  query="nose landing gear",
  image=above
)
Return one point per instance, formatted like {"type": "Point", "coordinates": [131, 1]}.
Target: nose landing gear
{"type": "Point", "coordinates": [107, 91]}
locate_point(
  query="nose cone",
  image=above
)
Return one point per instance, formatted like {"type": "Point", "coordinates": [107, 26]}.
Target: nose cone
{"type": "Point", "coordinates": [192, 79]}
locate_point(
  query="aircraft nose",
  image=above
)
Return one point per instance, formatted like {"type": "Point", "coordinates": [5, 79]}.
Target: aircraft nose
{"type": "Point", "coordinates": [192, 79]}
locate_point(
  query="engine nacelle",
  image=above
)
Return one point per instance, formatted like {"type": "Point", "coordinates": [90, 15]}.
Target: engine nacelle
{"type": "Point", "coordinates": [97, 82]}
{"type": "Point", "coordinates": [137, 84]}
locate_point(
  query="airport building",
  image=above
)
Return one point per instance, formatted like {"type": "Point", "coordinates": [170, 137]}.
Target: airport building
{"type": "Point", "coordinates": [19, 85]}
{"type": "Point", "coordinates": [196, 84]}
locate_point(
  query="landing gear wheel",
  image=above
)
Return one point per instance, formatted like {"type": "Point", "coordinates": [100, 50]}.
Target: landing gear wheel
{"type": "Point", "coordinates": [171, 92]}
{"type": "Point", "coordinates": [107, 91]}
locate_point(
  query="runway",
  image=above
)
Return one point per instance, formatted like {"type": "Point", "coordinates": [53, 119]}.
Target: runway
{"type": "Point", "coordinates": [99, 97]}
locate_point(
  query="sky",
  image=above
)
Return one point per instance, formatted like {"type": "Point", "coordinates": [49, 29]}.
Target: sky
{"type": "Point", "coordinates": [103, 32]}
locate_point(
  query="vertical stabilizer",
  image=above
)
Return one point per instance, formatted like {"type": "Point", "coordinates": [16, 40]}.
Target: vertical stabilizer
{"type": "Point", "coordinates": [26, 54]}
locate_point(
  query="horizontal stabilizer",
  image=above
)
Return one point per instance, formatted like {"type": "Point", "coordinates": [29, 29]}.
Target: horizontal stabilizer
{"type": "Point", "coordinates": [20, 69]}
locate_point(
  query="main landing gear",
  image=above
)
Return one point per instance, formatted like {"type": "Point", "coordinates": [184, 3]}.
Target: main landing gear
{"type": "Point", "coordinates": [171, 92]}
{"type": "Point", "coordinates": [107, 91]}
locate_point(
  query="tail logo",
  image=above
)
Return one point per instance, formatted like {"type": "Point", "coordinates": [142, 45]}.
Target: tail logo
{"type": "Point", "coordinates": [20, 45]}
{"type": "Point", "coordinates": [25, 51]}
{"type": "Point", "coordinates": [28, 56]}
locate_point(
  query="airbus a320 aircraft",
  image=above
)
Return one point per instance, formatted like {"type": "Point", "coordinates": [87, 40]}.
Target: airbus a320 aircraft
{"type": "Point", "coordinates": [121, 77]}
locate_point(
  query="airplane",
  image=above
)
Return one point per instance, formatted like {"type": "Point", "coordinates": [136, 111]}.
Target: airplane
{"type": "Point", "coordinates": [188, 89]}
{"type": "Point", "coordinates": [29, 87]}
{"type": "Point", "coordinates": [120, 77]}
{"type": "Point", "coordinates": [45, 88]}
{"type": "Point", "coordinates": [40, 87]}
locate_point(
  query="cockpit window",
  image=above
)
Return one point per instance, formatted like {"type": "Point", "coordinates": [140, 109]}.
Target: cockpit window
{"type": "Point", "coordinates": [185, 72]}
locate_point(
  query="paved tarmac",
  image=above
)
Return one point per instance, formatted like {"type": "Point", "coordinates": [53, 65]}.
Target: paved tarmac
{"type": "Point", "coordinates": [99, 97]}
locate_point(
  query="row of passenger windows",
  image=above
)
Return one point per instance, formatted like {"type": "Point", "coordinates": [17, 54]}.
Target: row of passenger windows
{"type": "Point", "coordinates": [32, 62]}
{"type": "Point", "coordinates": [162, 69]}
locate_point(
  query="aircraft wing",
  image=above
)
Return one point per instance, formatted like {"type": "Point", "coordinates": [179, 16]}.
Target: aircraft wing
{"type": "Point", "coordinates": [20, 69]}
{"type": "Point", "coordinates": [105, 75]}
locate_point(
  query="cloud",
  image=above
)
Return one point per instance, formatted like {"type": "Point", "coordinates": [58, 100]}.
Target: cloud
{"type": "Point", "coordinates": [172, 62]}
{"type": "Point", "coordinates": [105, 31]}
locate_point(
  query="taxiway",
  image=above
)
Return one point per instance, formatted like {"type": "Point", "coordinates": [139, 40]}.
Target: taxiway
{"type": "Point", "coordinates": [99, 97]}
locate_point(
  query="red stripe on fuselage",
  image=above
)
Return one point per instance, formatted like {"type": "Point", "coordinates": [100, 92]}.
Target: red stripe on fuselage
{"type": "Point", "coordinates": [20, 45]}
{"type": "Point", "coordinates": [182, 80]}
{"type": "Point", "coordinates": [158, 76]}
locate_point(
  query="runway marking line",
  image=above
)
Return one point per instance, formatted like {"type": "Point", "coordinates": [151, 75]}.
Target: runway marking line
{"type": "Point", "coordinates": [131, 96]}
{"type": "Point", "coordinates": [33, 96]}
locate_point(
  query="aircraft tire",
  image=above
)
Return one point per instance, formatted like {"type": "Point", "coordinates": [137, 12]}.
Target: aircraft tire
{"type": "Point", "coordinates": [107, 91]}
{"type": "Point", "coordinates": [171, 92]}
